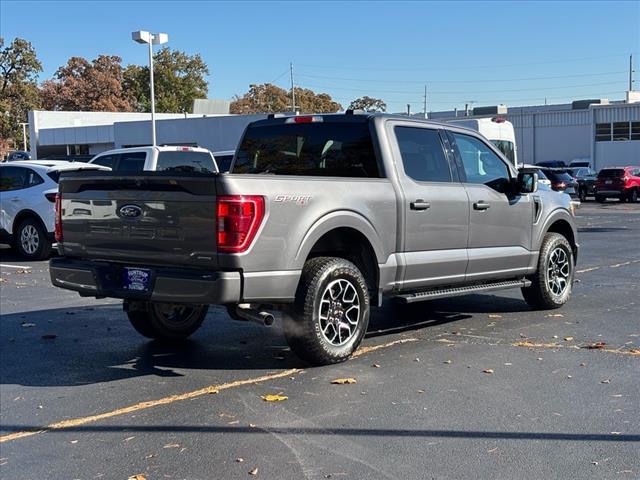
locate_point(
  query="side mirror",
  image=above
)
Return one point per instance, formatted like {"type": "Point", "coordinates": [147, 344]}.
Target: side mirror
{"type": "Point", "coordinates": [527, 181]}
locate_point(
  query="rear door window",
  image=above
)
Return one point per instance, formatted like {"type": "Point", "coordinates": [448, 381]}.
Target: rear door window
{"type": "Point", "coordinates": [185, 162]}
{"type": "Point", "coordinates": [106, 160]}
{"type": "Point", "coordinates": [13, 178]}
{"type": "Point", "coordinates": [131, 162]}
{"type": "Point", "coordinates": [423, 158]}
{"type": "Point", "coordinates": [315, 149]}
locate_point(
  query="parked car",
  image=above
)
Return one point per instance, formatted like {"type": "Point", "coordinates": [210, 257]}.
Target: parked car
{"type": "Point", "coordinates": [321, 217]}
{"type": "Point", "coordinates": [552, 164]}
{"type": "Point", "coordinates": [27, 195]}
{"type": "Point", "coordinates": [162, 158]}
{"type": "Point", "coordinates": [622, 183]}
{"type": "Point", "coordinates": [586, 178]}
{"type": "Point", "coordinates": [18, 155]}
{"type": "Point", "coordinates": [562, 181]}
{"type": "Point", "coordinates": [224, 159]}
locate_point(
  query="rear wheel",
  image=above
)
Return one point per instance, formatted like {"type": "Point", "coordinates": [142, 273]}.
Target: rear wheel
{"type": "Point", "coordinates": [166, 321]}
{"type": "Point", "coordinates": [633, 195]}
{"type": "Point", "coordinates": [31, 240]}
{"type": "Point", "coordinates": [330, 315]}
{"type": "Point", "coordinates": [552, 283]}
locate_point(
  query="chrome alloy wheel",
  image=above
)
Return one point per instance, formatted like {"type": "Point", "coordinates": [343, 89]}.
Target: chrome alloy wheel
{"type": "Point", "coordinates": [558, 271]}
{"type": "Point", "coordinates": [30, 239]}
{"type": "Point", "coordinates": [339, 312]}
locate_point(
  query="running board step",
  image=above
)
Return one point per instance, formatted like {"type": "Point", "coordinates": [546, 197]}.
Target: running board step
{"type": "Point", "coordinates": [455, 291]}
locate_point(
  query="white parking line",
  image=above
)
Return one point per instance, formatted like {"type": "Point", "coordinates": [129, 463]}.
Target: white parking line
{"type": "Point", "coordinates": [4, 265]}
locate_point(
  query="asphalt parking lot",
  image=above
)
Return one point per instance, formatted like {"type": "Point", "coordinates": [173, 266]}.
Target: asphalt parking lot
{"type": "Point", "coordinates": [472, 387]}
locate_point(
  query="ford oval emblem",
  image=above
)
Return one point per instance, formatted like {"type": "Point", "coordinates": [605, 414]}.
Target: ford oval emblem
{"type": "Point", "coordinates": [130, 211]}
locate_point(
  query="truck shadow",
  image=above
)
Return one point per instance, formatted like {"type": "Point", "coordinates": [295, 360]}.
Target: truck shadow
{"type": "Point", "coordinates": [86, 345]}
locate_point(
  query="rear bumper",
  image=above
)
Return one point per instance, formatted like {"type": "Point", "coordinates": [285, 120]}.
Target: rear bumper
{"type": "Point", "coordinates": [175, 285]}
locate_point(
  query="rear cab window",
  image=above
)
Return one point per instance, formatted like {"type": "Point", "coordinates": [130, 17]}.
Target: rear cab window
{"type": "Point", "coordinates": [185, 162]}
{"type": "Point", "coordinates": [332, 149]}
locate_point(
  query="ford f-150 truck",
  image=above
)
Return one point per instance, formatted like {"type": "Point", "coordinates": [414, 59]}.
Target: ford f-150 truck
{"type": "Point", "coordinates": [320, 218]}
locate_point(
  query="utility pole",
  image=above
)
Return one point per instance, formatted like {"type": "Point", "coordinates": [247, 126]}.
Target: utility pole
{"type": "Point", "coordinates": [24, 135]}
{"type": "Point", "coordinates": [425, 102]}
{"type": "Point", "coordinates": [408, 109]}
{"type": "Point", "coordinates": [630, 72]}
{"type": "Point", "coordinates": [293, 89]}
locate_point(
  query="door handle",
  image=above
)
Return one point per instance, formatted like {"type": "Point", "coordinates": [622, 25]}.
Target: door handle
{"type": "Point", "coordinates": [481, 205]}
{"type": "Point", "coordinates": [419, 205]}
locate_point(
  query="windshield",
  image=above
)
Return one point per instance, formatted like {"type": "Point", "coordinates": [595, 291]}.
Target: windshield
{"type": "Point", "coordinates": [507, 148]}
{"type": "Point", "coordinates": [321, 149]}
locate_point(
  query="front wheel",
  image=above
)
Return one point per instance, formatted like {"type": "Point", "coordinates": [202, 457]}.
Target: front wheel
{"type": "Point", "coordinates": [330, 315]}
{"type": "Point", "coordinates": [166, 321]}
{"type": "Point", "coordinates": [552, 283]}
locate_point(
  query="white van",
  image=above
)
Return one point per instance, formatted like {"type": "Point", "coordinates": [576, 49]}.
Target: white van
{"type": "Point", "coordinates": [497, 130]}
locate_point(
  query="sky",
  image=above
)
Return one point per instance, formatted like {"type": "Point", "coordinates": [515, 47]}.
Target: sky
{"type": "Point", "coordinates": [480, 53]}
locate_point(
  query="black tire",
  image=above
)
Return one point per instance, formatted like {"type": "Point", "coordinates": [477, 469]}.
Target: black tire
{"type": "Point", "coordinates": [633, 196]}
{"type": "Point", "coordinates": [583, 194]}
{"type": "Point", "coordinates": [31, 240]}
{"type": "Point", "coordinates": [319, 340]}
{"type": "Point", "coordinates": [541, 295]}
{"type": "Point", "coordinates": [166, 321]}
{"type": "Point", "coordinates": [600, 199]}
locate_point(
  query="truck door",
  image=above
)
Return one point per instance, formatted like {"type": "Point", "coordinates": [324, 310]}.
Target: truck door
{"type": "Point", "coordinates": [435, 211]}
{"type": "Point", "coordinates": [500, 222]}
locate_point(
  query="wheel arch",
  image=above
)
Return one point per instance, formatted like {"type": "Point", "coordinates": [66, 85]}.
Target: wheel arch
{"type": "Point", "coordinates": [22, 216]}
{"type": "Point", "coordinates": [561, 222]}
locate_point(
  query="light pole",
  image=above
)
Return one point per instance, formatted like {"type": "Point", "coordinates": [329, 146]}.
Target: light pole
{"type": "Point", "coordinates": [24, 135]}
{"type": "Point", "coordinates": [151, 39]}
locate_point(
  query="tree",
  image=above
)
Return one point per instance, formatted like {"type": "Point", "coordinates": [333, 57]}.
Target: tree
{"type": "Point", "coordinates": [368, 104]}
{"type": "Point", "coordinates": [87, 86]}
{"type": "Point", "coordinates": [269, 98]}
{"type": "Point", "coordinates": [19, 69]}
{"type": "Point", "coordinates": [179, 79]}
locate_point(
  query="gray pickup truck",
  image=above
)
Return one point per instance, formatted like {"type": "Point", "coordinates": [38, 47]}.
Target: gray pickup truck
{"type": "Point", "coordinates": [321, 217]}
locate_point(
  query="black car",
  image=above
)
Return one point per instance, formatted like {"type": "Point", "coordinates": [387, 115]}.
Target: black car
{"type": "Point", "coordinates": [586, 178]}
{"type": "Point", "coordinates": [552, 164]}
{"type": "Point", "coordinates": [562, 181]}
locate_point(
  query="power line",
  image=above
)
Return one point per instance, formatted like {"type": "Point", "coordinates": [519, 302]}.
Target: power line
{"type": "Point", "coordinates": [466, 92]}
{"type": "Point", "coordinates": [465, 67]}
{"type": "Point", "coordinates": [461, 81]}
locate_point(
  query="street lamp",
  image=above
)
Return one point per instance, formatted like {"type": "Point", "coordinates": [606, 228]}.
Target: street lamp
{"type": "Point", "coordinates": [151, 39]}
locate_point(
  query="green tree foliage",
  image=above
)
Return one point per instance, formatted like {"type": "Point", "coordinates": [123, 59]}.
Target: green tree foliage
{"type": "Point", "coordinates": [269, 98]}
{"type": "Point", "coordinates": [179, 80]}
{"type": "Point", "coordinates": [19, 69]}
{"type": "Point", "coordinates": [368, 104]}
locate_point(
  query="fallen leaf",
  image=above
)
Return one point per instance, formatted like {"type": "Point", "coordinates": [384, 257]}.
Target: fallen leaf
{"type": "Point", "coordinates": [416, 359]}
{"type": "Point", "coordinates": [569, 376]}
{"type": "Point", "coordinates": [138, 476]}
{"type": "Point", "coordinates": [239, 460]}
{"type": "Point", "coordinates": [420, 391]}
{"type": "Point", "coordinates": [494, 315]}
{"type": "Point", "coordinates": [606, 380]}
{"type": "Point", "coordinates": [254, 471]}
{"type": "Point", "coordinates": [171, 445]}
{"type": "Point", "coordinates": [594, 463]}
{"type": "Point", "coordinates": [128, 439]}
{"type": "Point", "coordinates": [3, 280]}
{"type": "Point", "coordinates": [375, 365]}
{"type": "Point", "coordinates": [634, 351]}
{"type": "Point", "coordinates": [252, 425]}
{"type": "Point", "coordinates": [554, 315]}
{"type": "Point", "coordinates": [492, 450]}
{"type": "Point", "coordinates": [212, 390]}
{"type": "Point", "coordinates": [344, 381]}
{"type": "Point", "coordinates": [28, 325]}
{"type": "Point", "coordinates": [151, 455]}
{"type": "Point", "coordinates": [234, 422]}
{"type": "Point", "coordinates": [448, 361]}
{"type": "Point", "coordinates": [595, 346]}
{"type": "Point", "coordinates": [274, 398]}
{"type": "Point", "coordinates": [487, 370]}
{"type": "Point", "coordinates": [568, 339]}
{"type": "Point", "coordinates": [73, 442]}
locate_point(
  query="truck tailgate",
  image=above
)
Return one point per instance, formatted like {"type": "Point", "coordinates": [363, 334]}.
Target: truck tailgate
{"type": "Point", "coordinates": [143, 218]}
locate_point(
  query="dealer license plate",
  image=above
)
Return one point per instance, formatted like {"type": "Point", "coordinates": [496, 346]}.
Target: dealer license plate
{"type": "Point", "coordinates": [137, 279]}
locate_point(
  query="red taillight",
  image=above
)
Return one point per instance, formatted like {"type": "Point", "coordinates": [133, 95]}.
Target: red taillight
{"type": "Point", "coordinates": [238, 219]}
{"type": "Point", "coordinates": [560, 185]}
{"type": "Point", "coordinates": [58, 221]}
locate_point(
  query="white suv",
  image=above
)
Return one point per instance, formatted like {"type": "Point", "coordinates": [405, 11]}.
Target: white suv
{"type": "Point", "coordinates": [136, 159]}
{"type": "Point", "coordinates": [27, 198]}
